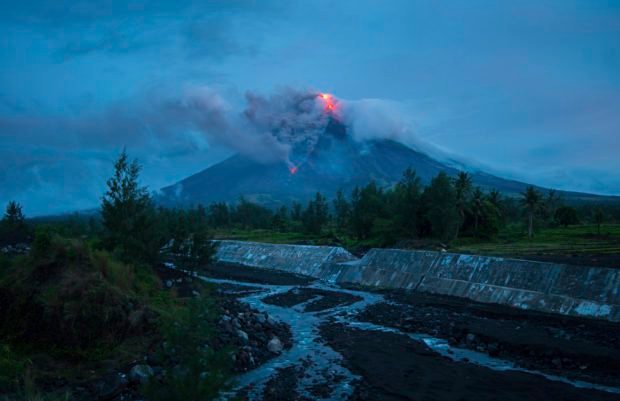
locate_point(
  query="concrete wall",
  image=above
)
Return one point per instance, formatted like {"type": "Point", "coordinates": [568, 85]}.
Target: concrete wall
{"type": "Point", "coordinates": [316, 261]}
{"type": "Point", "coordinates": [548, 287]}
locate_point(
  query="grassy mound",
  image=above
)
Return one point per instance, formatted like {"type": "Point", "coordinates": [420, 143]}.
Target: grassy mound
{"type": "Point", "coordinates": [72, 299]}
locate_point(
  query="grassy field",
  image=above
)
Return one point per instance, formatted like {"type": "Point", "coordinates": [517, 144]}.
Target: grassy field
{"type": "Point", "coordinates": [577, 239]}
{"type": "Point", "coordinates": [579, 244]}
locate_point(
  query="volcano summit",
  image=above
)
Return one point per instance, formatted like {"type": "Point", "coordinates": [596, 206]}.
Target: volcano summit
{"type": "Point", "coordinates": [323, 156]}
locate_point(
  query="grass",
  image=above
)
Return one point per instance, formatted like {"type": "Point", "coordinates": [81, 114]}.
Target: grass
{"type": "Point", "coordinates": [72, 311]}
{"type": "Point", "coordinates": [261, 235]}
{"type": "Point", "coordinates": [577, 240]}
{"type": "Point", "coordinates": [561, 241]}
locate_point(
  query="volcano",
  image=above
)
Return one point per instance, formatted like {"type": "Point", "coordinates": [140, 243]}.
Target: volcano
{"type": "Point", "coordinates": [335, 162]}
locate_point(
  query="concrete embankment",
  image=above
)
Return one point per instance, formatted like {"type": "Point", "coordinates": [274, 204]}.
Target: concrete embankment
{"type": "Point", "coordinates": [315, 261]}
{"type": "Point", "coordinates": [547, 287]}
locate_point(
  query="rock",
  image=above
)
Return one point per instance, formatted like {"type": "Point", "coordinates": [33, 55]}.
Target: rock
{"type": "Point", "coordinates": [140, 373]}
{"type": "Point", "coordinates": [275, 345]}
{"type": "Point", "coordinates": [243, 336]}
{"type": "Point", "coordinates": [169, 283]}
{"type": "Point", "coordinates": [110, 386]}
{"type": "Point", "coordinates": [261, 318]}
{"type": "Point", "coordinates": [271, 321]}
{"type": "Point", "coordinates": [470, 338]}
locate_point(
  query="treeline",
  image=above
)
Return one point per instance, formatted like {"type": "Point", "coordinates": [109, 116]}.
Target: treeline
{"type": "Point", "coordinates": [445, 209]}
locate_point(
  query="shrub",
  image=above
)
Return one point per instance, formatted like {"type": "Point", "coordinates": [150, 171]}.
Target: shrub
{"type": "Point", "coordinates": [202, 372]}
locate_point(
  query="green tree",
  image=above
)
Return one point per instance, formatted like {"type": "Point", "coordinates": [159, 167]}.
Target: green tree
{"type": "Point", "coordinates": [439, 200]}
{"type": "Point", "coordinates": [251, 215]}
{"type": "Point", "coordinates": [219, 214]}
{"type": "Point", "coordinates": [496, 199]}
{"type": "Point", "coordinates": [477, 207]}
{"type": "Point", "coordinates": [406, 203]}
{"type": "Point", "coordinates": [280, 218]}
{"type": "Point", "coordinates": [367, 205]}
{"type": "Point", "coordinates": [462, 190]}
{"type": "Point", "coordinates": [296, 211]}
{"type": "Point", "coordinates": [342, 210]}
{"type": "Point", "coordinates": [530, 200]}
{"type": "Point", "coordinates": [549, 206]}
{"type": "Point", "coordinates": [316, 214]}
{"type": "Point", "coordinates": [128, 214]}
{"type": "Point", "coordinates": [566, 215]}
{"type": "Point", "coordinates": [13, 227]}
{"type": "Point", "coordinates": [599, 218]}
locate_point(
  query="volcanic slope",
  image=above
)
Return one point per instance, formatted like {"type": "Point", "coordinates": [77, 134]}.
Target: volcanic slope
{"type": "Point", "coordinates": [336, 162]}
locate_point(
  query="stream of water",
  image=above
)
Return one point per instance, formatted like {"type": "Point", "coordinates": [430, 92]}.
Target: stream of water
{"type": "Point", "coordinates": [307, 344]}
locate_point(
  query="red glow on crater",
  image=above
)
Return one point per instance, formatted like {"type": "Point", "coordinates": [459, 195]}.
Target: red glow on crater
{"type": "Point", "coordinates": [330, 102]}
{"type": "Point", "coordinates": [292, 169]}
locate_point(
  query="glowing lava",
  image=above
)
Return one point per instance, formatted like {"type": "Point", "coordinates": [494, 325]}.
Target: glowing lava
{"type": "Point", "coordinates": [330, 102]}
{"type": "Point", "coordinates": [292, 169]}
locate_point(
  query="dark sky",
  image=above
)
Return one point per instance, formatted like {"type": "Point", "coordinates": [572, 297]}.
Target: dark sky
{"type": "Point", "coordinates": [527, 89]}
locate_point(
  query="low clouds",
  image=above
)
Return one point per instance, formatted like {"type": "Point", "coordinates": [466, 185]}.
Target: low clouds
{"type": "Point", "coordinates": [531, 90]}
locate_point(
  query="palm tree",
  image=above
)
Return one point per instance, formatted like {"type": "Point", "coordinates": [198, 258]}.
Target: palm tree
{"type": "Point", "coordinates": [462, 187]}
{"type": "Point", "coordinates": [530, 200]}
{"type": "Point", "coordinates": [598, 219]}
{"type": "Point", "coordinates": [477, 207]}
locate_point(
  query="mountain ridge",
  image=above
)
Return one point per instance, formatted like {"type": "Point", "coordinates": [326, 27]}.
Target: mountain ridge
{"type": "Point", "coordinates": [336, 162]}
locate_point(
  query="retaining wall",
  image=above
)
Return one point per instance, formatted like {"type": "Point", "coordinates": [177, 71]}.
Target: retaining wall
{"type": "Point", "coordinates": [548, 287]}
{"type": "Point", "coordinates": [316, 261]}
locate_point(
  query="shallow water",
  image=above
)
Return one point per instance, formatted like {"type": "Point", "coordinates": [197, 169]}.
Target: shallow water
{"type": "Point", "coordinates": [307, 344]}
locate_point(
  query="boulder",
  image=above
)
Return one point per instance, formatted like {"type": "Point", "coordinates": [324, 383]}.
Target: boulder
{"type": "Point", "coordinates": [140, 373]}
{"type": "Point", "coordinates": [243, 336]}
{"type": "Point", "coordinates": [275, 345]}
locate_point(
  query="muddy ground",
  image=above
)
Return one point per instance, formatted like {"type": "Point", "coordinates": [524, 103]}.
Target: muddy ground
{"type": "Point", "coordinates": [383, 362]}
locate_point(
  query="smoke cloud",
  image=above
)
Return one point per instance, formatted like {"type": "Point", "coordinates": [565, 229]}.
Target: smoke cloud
{"type": "Point", "coordinates": [174, 135]}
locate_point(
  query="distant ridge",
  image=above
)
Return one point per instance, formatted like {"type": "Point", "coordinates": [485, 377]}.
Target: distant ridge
{"type": "Point", "coordinates": [337, 162]}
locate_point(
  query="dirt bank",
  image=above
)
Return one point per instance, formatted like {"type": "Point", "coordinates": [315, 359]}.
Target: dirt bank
{"type": "Point", "coordinates": [321, 299]}
{"type": "Point", "coordinates": [394, 367]}
{"type": "Point", "coordinates": [581, 349]}
{"type": "Point", "coordinates": [253, 275]}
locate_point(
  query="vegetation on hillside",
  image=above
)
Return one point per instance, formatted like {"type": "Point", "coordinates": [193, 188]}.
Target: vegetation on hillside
{"type": "Point", "coordinates": [84, 288]}
{"type": "Point", "coordinates": [85, 295]}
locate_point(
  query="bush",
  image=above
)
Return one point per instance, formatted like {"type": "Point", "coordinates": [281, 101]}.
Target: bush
{"type": "Point", "coordinates": [42, 244]}
{"type": "Point", "coordinates": [202, 372]}
{"type": "Point", "coordinates": [73, 299]}
{"type": "Point", "coordinates": [12, 368]}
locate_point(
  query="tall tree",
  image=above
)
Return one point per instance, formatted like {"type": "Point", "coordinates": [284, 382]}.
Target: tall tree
{"type": "Point", "coordinates": [439, 199]}
{"type": "Point", "coordinates": [530, 200]}
{"type": "Point", "coordinates": [462, 190]}
{"type": "Point", "coordinates": [553, 201]}
{"type": "Point", "coordinates": [296, 211]}
{"type": "Point", "coordinates": [477, 207]}
{"type": "Point", "coordinates": [128, 215]}
{"type": "Point", "coordinates": [566, 215]}
{"type": "Point", "coordinates": [599, 217]}
{"type": "Point", "coordinates": [407, 193]}
{"type": "Point", "coordinates": [342, 210]}
{"type": "Point", "coordinates": [316, 214]}
{"type": "Point", "coordinates": [219, 214]}
{"type": "Point", "coordinates": [13, 227]}
{"type": "Point", "coordinates": [367, 205]}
